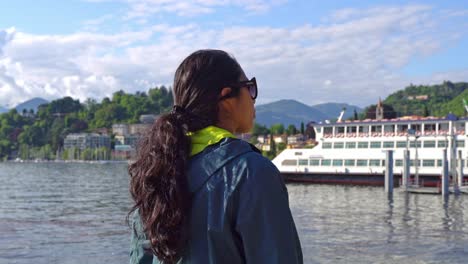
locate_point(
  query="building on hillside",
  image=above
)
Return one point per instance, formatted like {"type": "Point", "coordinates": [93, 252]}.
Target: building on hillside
{"type": "Point", "coordinates": [295, 139]}
{"type": "Point", "coordinates": [130, 140]}
{"type": "Point", "coordinates": [423, 97]}
{"type": "Point", "coordinates": [280, 139]}
{"type": "Point", "coordinates": [120, 129]}
{"type": "Point", "coordinates": [148, 119]}
{"type": "Point", "coordinates": [101, 130]}
{"type": "Point", "coordinates": [86, 140]}
{"type": "Point", "coordinates": [139, 129]}
{"type": "Point", "coordinates": [264, 147]}
{"type": "Point", "coordinates": [263, 139]}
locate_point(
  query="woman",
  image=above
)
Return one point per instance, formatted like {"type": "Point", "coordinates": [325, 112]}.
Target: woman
{"type": "Point", "coordinates": [200, 194]}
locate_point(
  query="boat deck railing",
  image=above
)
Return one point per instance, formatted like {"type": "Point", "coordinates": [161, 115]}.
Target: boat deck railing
{"type": "Point", "coordinates": [391, 134]}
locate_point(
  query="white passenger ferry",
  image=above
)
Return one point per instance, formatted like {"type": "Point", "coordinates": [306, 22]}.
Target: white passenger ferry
{"type": "Point", "coordinates": [355, 151]}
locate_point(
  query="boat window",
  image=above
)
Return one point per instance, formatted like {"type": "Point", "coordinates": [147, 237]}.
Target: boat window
{"type": "Point", "coordinates": [350, 162]}
{"type": "Point", "coordinates": [443, 127]}
{"type": "Point", "coordinates": [429, 144]}
{"type": "Point", "coordinates": [376, 144]}
{"type": "Point", "coordinates": [429, 127]}
{"type": "Point", "coordinates": [318, 129]}
{"type": "Point", "coordinates": [314, 162]}
{"type": "Point", "coordinates": [326, 162]}
{"type": "Point", "coordinates": [399, 163]}
{"type": "Point", "coordinates": [303, 162]}
{"type": "Point", "coordinates": [383, 163]}
{"type": "Point", "coordinates": [412, 163]}
{"type": "Point", "coordinates": [363, 129]}
{"type": "Point", "coordinates": [442, 143]}
{"type": "Point", "coordinates": [416, 127]}
{"type": "Point", "coordinates": [374, 162]}
{"type": "Point", "coordinates": [388, 144]}
{"type": "Point", "coordinates": [339, 129]}
{"type": "Point", "coordinates": [401, 144]}
{"type": "Point", "coordinates": [350, 145]}
{"type": "Point", "coordinates": [363, 144]}
{"type": "Point", "coordinates": [459, 127]}
{"type": "Point", "coordinates": [351, 129]}
{"type": "Point", "coordinates": [411, 144]}
{"type": "Point", "coordinates": [289, 162]}
{"type": "Point", "coordinates": [389, 128]}
{"type": "Point", "coordinates": [428, 163]}
{"type": "Point", "coordinates": [338, 145]}
{"type": "Point", "coordinates": [361, 163]}
{"type": "Point", "coordinates": [402, 128]}
{"type": "Point", "coordinates": [328, 130]}
{"type": "Point", "coordinates": [376, 128]}
{"type": "Point", "coordinates": [460, 143]}
{"type": "Point", "coordinates": [439, 163]}
{"type": "Point", "coordinates": [337, 162]}
{"type": "Point", "coordinates": [326, 145]}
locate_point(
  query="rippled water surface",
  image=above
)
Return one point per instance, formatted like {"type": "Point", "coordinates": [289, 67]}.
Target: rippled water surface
{"type": "Point", "coordinates": [75, 213]}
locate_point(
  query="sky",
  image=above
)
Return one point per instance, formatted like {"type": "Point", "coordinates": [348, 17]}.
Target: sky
{"type": "Point", "coordinates": [352, 51]}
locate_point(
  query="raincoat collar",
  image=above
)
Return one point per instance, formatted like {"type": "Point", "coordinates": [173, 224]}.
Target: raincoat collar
{"type": "Point", "coordinates": [213, 158]}
{"type": "Point", "coordinates": [207, 136]}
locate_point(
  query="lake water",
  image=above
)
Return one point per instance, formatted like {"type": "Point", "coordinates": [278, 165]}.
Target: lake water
{"type": "Point", "coordinates": [75, 213]}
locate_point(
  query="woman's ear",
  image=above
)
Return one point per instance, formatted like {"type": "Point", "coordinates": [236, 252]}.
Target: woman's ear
{"type": "Point", "coordinates": [225, 91]}
{"type": "Point", "coordinates": [225, 105]}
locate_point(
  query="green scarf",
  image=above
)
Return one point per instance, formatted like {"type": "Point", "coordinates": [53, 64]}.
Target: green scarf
{"type": "Point", "coordinates": [207, 136]}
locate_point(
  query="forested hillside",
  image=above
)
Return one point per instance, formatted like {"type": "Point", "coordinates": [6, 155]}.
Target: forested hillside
{"type": "Point", "coordinates": [46, 130]}
{"type": "Point", "coordinates": [435, 100]}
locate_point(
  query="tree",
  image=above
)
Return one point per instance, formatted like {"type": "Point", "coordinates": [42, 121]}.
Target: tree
{"type": "Point", "coordinates": [281, 146]}
{"type": "Point", "coordinates": [302, 128]}
{"type": "Point", "coordinates": [272, 153]}
{"type": "Point", "coordinates": [64, 105]}
{"type": "Point", "coordinates": [258, 130]}
{"type": "Point", "coordinates": [292, 130]}
{"type": "Point", "coordinates": [277, 129]}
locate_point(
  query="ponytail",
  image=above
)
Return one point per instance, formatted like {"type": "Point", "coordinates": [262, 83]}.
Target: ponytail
{"type": "Point", "coordinates": [159, 188]}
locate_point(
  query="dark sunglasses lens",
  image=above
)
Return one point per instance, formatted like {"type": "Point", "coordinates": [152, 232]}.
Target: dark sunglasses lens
{"type": "Point", "coordinates": [253, 91]}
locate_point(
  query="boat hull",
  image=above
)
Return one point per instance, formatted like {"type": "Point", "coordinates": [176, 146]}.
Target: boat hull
{"type": "Point", "coordinates": [355, 179]}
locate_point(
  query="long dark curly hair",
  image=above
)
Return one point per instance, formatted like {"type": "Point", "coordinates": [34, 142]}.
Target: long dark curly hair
{"type": "Point", "coordinates": [158, 182]}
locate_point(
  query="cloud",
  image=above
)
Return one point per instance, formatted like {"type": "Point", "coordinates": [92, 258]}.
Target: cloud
{"type": "Point", "coordinates": [190, 8]}
{"type": "Point", "coordinates": [93, 25]}
{"type": "Point", "coordinates": [356, 57]}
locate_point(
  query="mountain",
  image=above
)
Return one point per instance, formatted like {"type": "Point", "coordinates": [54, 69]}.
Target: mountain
{"type": "Point", "coordinates": [333, 110]}
{"type": "Point", "coordinates": [31, 104]}
{"type": "Point", "coordinates": [293, 112]}
{"type": "Point", "coordinates": [3, 110]}
{"type": "Point", "coordinates": [287, 112]}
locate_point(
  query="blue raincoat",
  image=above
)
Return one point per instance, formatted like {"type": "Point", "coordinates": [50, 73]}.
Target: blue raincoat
{"type": "Point", "coordinates": [240, 211]}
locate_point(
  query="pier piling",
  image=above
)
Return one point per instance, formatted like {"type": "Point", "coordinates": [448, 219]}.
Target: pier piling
{"type": "Point", "coordinates": [389, 172]}
{"type": "Point", "coordinates": [406, 169]}
{"type": "Point", "coordinates": [445, 174]}
{"type": "Point", "coordinates": [460, 170]}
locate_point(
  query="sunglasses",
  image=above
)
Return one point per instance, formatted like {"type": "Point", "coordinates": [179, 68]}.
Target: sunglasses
{"type": "Point", "coordinates": [251, 85]}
